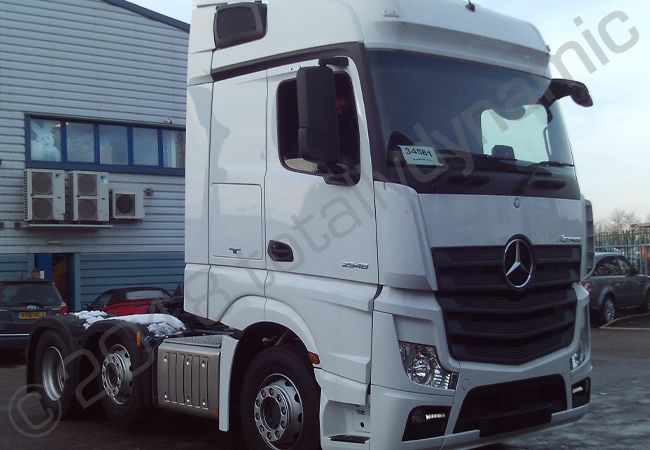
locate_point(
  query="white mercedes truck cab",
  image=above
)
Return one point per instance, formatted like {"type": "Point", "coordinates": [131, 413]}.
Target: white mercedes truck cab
{"type": "Point", "coordinates": [383, 215]}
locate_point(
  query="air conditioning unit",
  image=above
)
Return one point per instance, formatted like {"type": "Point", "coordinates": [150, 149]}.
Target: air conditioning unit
{"type": "Point", "coordinates": [89, 196]}
{"type": "Point", "coordinates": [44, 195]}
{"type": "Point", "coordinates": [127, 205]}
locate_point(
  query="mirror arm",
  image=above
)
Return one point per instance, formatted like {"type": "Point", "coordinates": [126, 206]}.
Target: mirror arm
{"type": "Point", "coordinates": [350, 177]}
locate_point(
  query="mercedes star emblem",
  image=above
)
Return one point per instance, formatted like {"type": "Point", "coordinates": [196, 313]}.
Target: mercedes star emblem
{"type": "Point", "coordinates": [518, 264]}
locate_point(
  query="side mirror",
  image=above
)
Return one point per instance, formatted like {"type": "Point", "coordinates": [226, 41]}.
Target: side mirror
{"type": "Point", "coordinates": [85, 307]}
{"type": "Point", "coordinates": [564, 88]}
{"type": "Point", "coordinates": [318, 136]}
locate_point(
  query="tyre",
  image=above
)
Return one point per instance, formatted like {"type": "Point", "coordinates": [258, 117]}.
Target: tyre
{"type": "Point", "coordinates": [607, 310]}
{"type": "Point", "coordinates": [280, 402]}
{"type": "Point", "coordinates": [122, 383]}
{"type": "Point", "coordinates": [54, 376]}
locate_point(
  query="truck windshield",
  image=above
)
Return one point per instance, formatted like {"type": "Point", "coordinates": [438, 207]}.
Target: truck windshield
{"type": "Point", "coordinates": [441, 115]}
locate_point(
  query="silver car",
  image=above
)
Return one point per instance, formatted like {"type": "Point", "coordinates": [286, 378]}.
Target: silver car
{"type": "Point", "coordinates": [21, 304]}
{"type": "Point", "coordinates": [615, 285]}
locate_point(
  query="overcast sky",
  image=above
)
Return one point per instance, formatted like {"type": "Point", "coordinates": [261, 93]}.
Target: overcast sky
{"type": "Point", "coordinates": [610, 140]}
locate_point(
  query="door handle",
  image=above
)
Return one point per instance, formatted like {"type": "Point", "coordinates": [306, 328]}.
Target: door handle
{"type": "Point", "coordinates": [280, 252]}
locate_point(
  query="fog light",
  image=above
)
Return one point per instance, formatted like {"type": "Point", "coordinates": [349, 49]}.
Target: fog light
{"type": "Point", "coordinates": [423, 367]}
{"type": "Point", "coordinates": [426, 422]}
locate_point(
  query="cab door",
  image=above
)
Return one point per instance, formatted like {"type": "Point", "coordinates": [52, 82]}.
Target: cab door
{"type": "Point", "coordinates": [315, 228]}
{"type": "Point", "coordinates": [321, 247]}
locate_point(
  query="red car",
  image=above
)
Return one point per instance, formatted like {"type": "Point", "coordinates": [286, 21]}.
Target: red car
{"type": "Point", "coordinates": [128, 301]}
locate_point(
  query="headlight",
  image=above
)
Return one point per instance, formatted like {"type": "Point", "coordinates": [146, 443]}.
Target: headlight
{"type": "Point", "coordinates": [580, 356]}
{"type": "Point", "coordinates": [423, 367]}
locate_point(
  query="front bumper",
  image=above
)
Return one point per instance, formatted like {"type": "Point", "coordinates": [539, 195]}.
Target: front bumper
{"type": "Point", "coordinates": [413, 317]}
{"type": "Point", "coordinates": [16, 341]}
{"type": "Point", "coordinates": [391, 409]}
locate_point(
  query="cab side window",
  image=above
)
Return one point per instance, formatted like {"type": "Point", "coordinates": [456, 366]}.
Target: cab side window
{"type": "Point", "coordinates": [288, 125]}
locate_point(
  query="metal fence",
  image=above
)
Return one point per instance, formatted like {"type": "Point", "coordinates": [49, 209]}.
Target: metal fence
{"type": "Point", "coordinates": [633, 244]}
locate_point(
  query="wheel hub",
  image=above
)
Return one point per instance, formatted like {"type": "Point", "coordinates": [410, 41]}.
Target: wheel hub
{"type": "Point", "coordinates": [117, 374]}
{"type": "Point", "coordinates": [278, 412]}
{"type": "Point", "coordinates": [54, 374]}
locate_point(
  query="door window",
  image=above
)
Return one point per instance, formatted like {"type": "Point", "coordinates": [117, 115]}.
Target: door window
{"type": "Point", "coordinates": [608, 267]}
{"type": "Point", "coordinates": [288, 126]}
{"type": "Point", "coordinates": [626, 267]}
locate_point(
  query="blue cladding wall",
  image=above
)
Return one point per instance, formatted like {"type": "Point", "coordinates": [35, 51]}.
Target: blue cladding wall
{"type": "Point", "coordinates": [14, 267]}
{"type": "Point", "coordinates": [101, 272]}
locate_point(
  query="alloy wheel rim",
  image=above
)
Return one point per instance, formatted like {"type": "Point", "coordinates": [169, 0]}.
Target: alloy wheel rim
{"type": "Point", "coordinates": [609, 310]}
{"type": "Point", "coordinates": [278, 412]}
{"type": "Point", "coordinates": [53, 373]}
{"type": "Point", "coordinates": [117, 375]}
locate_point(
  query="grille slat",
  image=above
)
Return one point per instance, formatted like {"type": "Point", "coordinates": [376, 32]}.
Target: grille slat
{"type": "Point", "coordinates": [481, 268]}
{"type": "Point", "coordinates": [486, 320]}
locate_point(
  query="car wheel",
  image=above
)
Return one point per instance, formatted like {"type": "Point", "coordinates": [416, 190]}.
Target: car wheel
{"type": "Point", "coordinates": [280, 402]}
{"type": "Point", "coordinates": [607, 310]}
{"type": "Point", "coordinates": [120, 382]}
{"type": "Point", "coordinates": [53, 373]}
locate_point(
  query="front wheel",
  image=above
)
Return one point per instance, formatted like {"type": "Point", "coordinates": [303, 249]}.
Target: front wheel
{"type": "Point", "coordinates": [607, 311]}
{"type": "Point", "coordinates": [280, 402]}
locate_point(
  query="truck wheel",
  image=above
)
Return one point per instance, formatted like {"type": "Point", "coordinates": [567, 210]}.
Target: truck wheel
{"type": "Point", "coordinates": [53, 376]}
{"type": "Point", "coordinates": [280, 402]}
{"type": "Point", "coordinates": [607, 310]}
{"type": "Point", "coordinates": [123, 401]}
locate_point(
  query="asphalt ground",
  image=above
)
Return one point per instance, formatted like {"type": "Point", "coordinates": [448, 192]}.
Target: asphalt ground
{"type": "Point", "coordinates": [619, 417]}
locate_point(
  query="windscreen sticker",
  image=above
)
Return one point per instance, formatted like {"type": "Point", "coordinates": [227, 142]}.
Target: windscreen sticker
{"type": "Point", "coordinates": [419, 156]}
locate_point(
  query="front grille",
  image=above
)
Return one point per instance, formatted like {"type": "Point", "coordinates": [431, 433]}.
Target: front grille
{"type": "Point", "coordinates": [502, 330]}
{"type": "Point", "coordinates": [488, 321]}
{"type": "Point", "coordinates": [481, 268]}
{"type": "Point", "coordinates": [512, 406]}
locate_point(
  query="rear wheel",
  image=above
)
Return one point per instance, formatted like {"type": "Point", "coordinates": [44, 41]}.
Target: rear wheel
{"type": "Point", "coordinates": [607, 310]}
{"type": "Point", "coordinates": [53, 376]}
{"type": "Point", "coordinates": [120, 381]}
{"type": "Point", "coordinates": [279, 402]}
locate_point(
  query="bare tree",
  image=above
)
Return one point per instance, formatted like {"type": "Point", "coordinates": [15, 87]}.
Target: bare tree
{"type": "Point", "coordinates": [620, 220]}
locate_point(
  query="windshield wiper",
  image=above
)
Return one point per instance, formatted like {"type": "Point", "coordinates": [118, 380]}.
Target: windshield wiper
{"type": "Point", "coordinates": [534, 169]}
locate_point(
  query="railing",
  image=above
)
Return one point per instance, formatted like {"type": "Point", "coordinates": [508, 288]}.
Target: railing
{"type": "Point", "coordinates": [633, 244]}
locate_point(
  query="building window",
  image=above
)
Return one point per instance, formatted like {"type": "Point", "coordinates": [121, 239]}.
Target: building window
{"type": "Point", "coordinates": [145, 147]}
{"type": "Point", "coordinates": [113, 145]}
{"type": "Point", "coordinates": [173, 148]}
{"type": "Point", "coordinates": [84, 145]}
{"type": "Point", "coordinates": [80, 142]}
{"type": "Point", "coordinates": [45, 138]}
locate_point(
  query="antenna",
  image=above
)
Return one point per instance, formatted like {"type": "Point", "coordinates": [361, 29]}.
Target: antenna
{"type": "Point", "coordinates": [471, 6]}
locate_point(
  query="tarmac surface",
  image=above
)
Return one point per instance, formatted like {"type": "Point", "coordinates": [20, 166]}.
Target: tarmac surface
{"type": "Point", "coordinates": [619, 416]}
